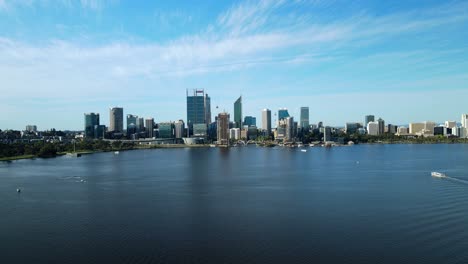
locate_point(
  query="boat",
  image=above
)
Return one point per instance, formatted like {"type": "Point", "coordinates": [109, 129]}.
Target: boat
{"type": "Point", "coordinates": [304, 150]}
{"type": "Point", "coordinates": [438, 174]}
{"type": "Point", "coordinates": [212, 146]}
{"type": "Point", "coordinates": [18, 190]}
{"type": "Point", "coordinates": [116, 153]}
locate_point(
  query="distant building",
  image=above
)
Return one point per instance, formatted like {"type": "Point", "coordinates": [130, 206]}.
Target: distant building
{"type": "Point", "coordinates": [289, 129]}
{"type": "Point", "coordinates": [166, 130]}
{"type": "Point", "coordinates": [281, 130]}
{"type": "Point", "coordinates": [438, 131]}
{"type": "Point", "coordinates": [238, 112]}
{"type": "Point", "coordinates": [116, 124]}
{"type": "Point", "coordinates": [459, 132]}
{"type": "Point", "coordinates": [282, 113]}
{"type": "Point", "coordinates": [352, 128]}
{"type": "Point", "coordinates": [223, 129]}
{"type": "Point", "coordinates": [250, 121]}
{"type": "Point", "coordinates": [132, 124]}
{"type": "Point", "coordinates": [99, 131]}
{"type": "Point", "coordinates": [140, 124]}
{"type": "Point", "coordinates": [32, 128]}
{"type": "Point", "coordinates": [373, 128]}
{"type": "Point", "coordinates": [381, 126]}
{"type": "Point", "coordinates": [149, 126]}
{"type": "Point", "coordinates": [447, 131]}
{"type": "Point", "coordinates": [234, 133]}
{"type": "Point", "coordinates": [179, 128]}
{"type": "Point", "coordinates": [327, 136]}
{"type": "Point", "coordinates": [392, 129]}
{"type": "Point", "coordinates": [200, 130]}
{"type": "Point", "coordinates": [429, 128]}
{"type": "Point", "coordinates": [416, 128]}
{"type": "Point", "coordinates": [252, 133]}
{"type": "Point", "coordinates": [367, 119]}
{"type": "Point", "coordinates": [198, 110]}
{"type": "Point", "coordinates": [266, 121]}
{"type": "Point", "coordinates": [402, 131]}
{"type": "Point", "coordinates": [304, 118]}
{"type": "Point", "coordinates": [91, 120]}
{"type": "Point", "coordinates": [450, 124]}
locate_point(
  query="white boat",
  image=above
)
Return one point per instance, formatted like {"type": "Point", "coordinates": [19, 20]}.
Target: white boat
{"type": "Point", "coordinates": [438, 174]}
{"type": "Point", "coordinates": [116, 153]}
{"type": "Point", "coordinates": [212, 146]}
{"type": "Point", "coordinates": [304, 150]}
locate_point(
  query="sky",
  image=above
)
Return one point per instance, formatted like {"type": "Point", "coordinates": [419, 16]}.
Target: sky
{"type": "Point", "coordinates": [403, 61]}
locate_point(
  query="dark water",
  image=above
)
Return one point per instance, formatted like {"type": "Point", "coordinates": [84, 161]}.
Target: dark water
{"type": "Point", "coordinates": [361, 204]}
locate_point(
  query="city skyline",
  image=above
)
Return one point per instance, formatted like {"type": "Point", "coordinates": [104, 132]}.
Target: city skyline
{"type": "Point", "coordinates": [404, 62]}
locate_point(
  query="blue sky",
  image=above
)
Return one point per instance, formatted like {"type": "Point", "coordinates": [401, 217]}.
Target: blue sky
{"type": "Point", "coordinates": [404, 61]}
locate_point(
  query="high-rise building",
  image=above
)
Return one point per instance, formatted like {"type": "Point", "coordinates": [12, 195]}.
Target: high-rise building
{"type": "Point", "coordinates": [450, 124]}
{"type": "Point", "coordinates": [282, 113]}
{"type": "Point", "coordinates": [402, 131]}
{"type": "Point", "coordinates": [352, 128]}
{"type": "Point", "coordinates": [250, 121]}
{"type": "Point", "coordinates": [289, 128]}
{"type": "Point", "coordinates": [392, 129]}
{"type": "Point", "coordinates": [140, 125]}
{"type": "Point", "coordinates": [131, 124]}
{"type": "Point", "coordinates": [381, 126]}
{"type": "Point", "coordinates": [416, 128]}
{"type": "Point", "coordinates": [149, 125]}
{"type": "Point", "coordinates": [327, 134]}
{"type": "Point", "coordinates": [198, 109]}
{"type": "Point", "coordinates": [166, 130]}
{"type": "Point", "coordinates": [266, 121]}
{"type": "Point", "coordinates": [238, 112]}
{"type": "Point", "coordinates": [464, 121]}
{"type": "Point", "coordinates": [33, 128]}
{"type": "Point", "coordinates": [116, 124]}
{"type": "Point", "coordinates": [223, 128]}
{"type": "Point", "coordinates": [367, 119]}
{"type": "Point", "coordinates": [304, 118]}
{"type": "Point", "coordinates": [90, 120]}
{"type": "Point", "coordinates": [373, 128]}
{"type": "Point", "coordinates": [429, 128]}
{"type": "Point", "coordinates": [234, 133]}
{"type": "Point", "coordinates": [179, 129]}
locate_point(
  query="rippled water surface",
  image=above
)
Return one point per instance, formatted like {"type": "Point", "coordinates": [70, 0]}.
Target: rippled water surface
{"type": "Point", "coordinates": [360, 204]}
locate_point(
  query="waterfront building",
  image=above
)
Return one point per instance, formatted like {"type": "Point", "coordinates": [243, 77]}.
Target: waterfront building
{"type": "Point", "coordinates": [464, 121]}
{"type": "Point", "coordinates": [250, 121]}
{"type": "Point", "coordinates": [282, 113]}
{"type": "Point", "coordinates": [415, 128]}
{"type": "Point", "coordinates": [351, 128]}
{"type": "Point", "coordinates": [198, 109]}
{"type": "Point", "coordinates": [32, 128]}
{"type": "Point", "coordinates": [402, 131]}
{"type": "Point", "coordinates": [179, 128]}
{"type": "Point", "coordinates": [447, 131]}
{"type": "Point", "coordinates": [166, 130]}
{"type": "Point", "coordinates": [266, 121]}
{"type": "Point", "coordinates": [304, 118]}
{"type": "Point", "coordinates": [131, 124]}
{"type": "Point", "coordinates": [381, 126]}
{"type": "Point", "coordinates": [327, 135]}
{"type": "Point", "coordinates": [140, 125]}
{"type": "Point", "coordinates": [116, 123]}
{"type": "Point", "coordinates": [289, 136]}
{"type": "Point", "coordinates": [234, 134]}
{"type": "Point", "coordinates": [238, 112]}
{"type": "Point", "coordinates": [367, 119]}
{"type": "Point", "coordinates": [361, 131]}
{"type": "Point", "coordinates": [91, 120]}
{"type": "Point", "coordinates": [149, 127]}
{"type": "Point", "coordinates": [450, 124]}
{"type": "Point", "coordinates": [252, 132]}
{"type": "Point", "coordinates": [281, 130]}
{"type": "Point", "coordinates": [373, 128]}
{"type": "Point", "coordinates": [391, 129]}
{"type": "Point", "coordinates": [439, 131]}
{"type": "Point", "coordinates": [200, 130]}
{"type": "Point", "coordinates": [223, 128]}
{"type": "Point", "coordinates": [429, 128]}
{"type": "Point", "coordinates": [99, 131]}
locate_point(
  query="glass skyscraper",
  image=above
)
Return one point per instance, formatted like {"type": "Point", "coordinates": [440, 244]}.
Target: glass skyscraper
{"type": "Point", "coordinates": [116, 120]}
{"type": "Point", "coordinates": [198, 109]}
{"type": "Point", "coordinates": [282, 113]}
{"type": "Point", "coordinates": [250, 121]}
{"type": "Point", "coordinates": [91, 120]}
{"type": "Point", "coordinates": [304, 119]}
{"type": "Point", "coordinates": [238, 112]}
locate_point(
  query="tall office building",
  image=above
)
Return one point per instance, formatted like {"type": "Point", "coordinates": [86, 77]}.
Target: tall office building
{"type": "Point", "coordinates": [91, 120]}
{"type": "Point", "coordinates": [238, 112]}
{"type": "Point", "coordinates": [373, 128]}
{"type": "Point", "coordinates": [116, 124]}
{"type": "Point", "coordinates": [266, 121]}
{"type": "Point", "coordinates": [223, 128]}
{"type": "Point", "coordinates": [149, 125]}
{"type": "Point", "coordinates": [289, 128]}
{"type": "Point", "coordinates": [464, 121]}
{"type": "Point", "coordinates": [381, 123]}
{"type": "Point", "coordinates": [131, 124]}
{"type": "Point", "coordinates": [179, 129]}
{"type": "Point", "coordinates": [282, 113]}
{"type": "Point", "coordinates": [250, 121]}
{"type": "Point", "coordinates": [198, 109]}
{"type": "Point", "coordinates": [367, 119]}
{"type": "Point", "coordinates": [304, 119]}
{"type": "Point", "coordinates": [140, 125]}
{"type": "Point", "coordinates": [32, 128]}
{"type": "Point", "coordinates": [327, 134]}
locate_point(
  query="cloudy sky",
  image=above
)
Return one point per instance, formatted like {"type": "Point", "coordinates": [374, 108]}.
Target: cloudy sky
{"type": "Point", "coordinates": [404, 61]}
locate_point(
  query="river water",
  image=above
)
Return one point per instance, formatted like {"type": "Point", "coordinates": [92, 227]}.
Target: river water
{"type": "Point", "coordinates": [359, 204]}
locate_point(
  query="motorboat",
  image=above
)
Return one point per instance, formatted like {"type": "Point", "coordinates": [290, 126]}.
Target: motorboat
{"type": "Point", "coordinates": [116, 153]}
{"type": "Point", "coordinates": [304, 150]}
{"type": "Point", "coordinates": [438, 174]}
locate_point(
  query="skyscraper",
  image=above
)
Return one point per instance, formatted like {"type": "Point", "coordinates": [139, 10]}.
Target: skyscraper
{"type": "Point", "coordinates": [250, 121]}
{"type": "Point", "coordinates": [266, 121]}
{"type": "Point", "coordinates": [116, 120]}
{"type": "Point", "coordinates": [289, 128]}
{"type": "Point", "coordinates": [149, 124]}
{"type": "Point", "coordinates": [198, 109]}
{"type": "Point", "coordinates": [179, 129]}
{"type": "Point", "coordinates": [282, 113]}
{"type": "Point", "coordinates": [140, 124]}
{"type": "Point", "coordinates": [304, 119]}
{"type": "Point", "coordinates": [91, 120]}
{"type": "Point", "coordinates": [327, 134]}
{"type": "Point", "coordinates": [464, 121]}
{"type": "Point", "coordinates": [238, 112]}
{"type": "Point", "coordinates": [223, 128]}
{"type": "Point", "coordinates": [367, 119]}
{"type": "Point", "coordinates": [131, 124]}
{"type": "Point", "coordinates": [381, 123]}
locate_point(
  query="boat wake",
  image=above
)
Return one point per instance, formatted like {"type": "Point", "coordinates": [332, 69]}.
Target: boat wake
{"type": "Point", "coordinates": [444, 176]}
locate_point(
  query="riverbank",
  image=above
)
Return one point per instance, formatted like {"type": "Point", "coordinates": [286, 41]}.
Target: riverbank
{"type": "Point", "coordinates": [17, 157]}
